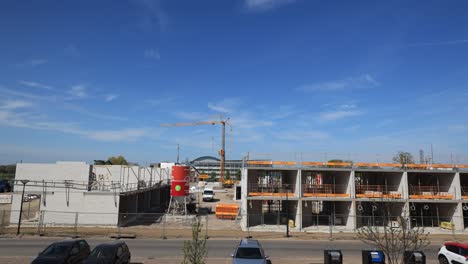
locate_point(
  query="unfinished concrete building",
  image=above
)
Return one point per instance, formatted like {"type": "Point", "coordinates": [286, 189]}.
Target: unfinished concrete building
{"type": "Point", "coordinates": [76, 192]}
{"type": "Point", "coordinates": [316, 196]}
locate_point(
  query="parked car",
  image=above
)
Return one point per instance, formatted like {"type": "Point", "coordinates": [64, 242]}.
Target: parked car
{"type": "Point", "coordinates": [453, 253]}
{"type": "Point", "coordinates": [249, 251]}
{"type": "Point", "coordinates": [109, 253]}
{"type": "Point", "coordinates": [67, 251]}
{"type": "Point", "coordinates": [208, 194]}
{"type": "Point", "coordinates": [5, 186]}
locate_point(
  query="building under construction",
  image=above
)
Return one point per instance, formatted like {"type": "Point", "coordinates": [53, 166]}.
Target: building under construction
{"type": "Point", "coordinates": [318, 196]}
{"type": "Point", "coordinates": [107, 195]}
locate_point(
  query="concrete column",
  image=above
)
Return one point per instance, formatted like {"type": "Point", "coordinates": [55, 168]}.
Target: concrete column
{"type": "Point", "coordinates": [351, 222]}
{"type": "Point", "coordinates": [298, 192]}
{"type": "Point", "coordinates": [351, 185]}
{"type": "Point", "coordinates": [455, 187]}
{"type": "Point", "coordinates": [403, 188]}
{"type": "Point", "coordinates": [244, 182]}
{"type": "Point", "coordinates": [298, 221]}
{"type": "Point", "coordinates": [457, 218]}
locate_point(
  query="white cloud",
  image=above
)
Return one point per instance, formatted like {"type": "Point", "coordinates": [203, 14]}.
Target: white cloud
{"type": "Point", "coordinates": [152, 15]}
{"type": "Point", "coordinates": [360, 82]}
{"type": "Point", "coordinates": [339, 114]}
{"type": "Point", "coordinates": [440, 43]}
{"type": "Point", "coordinates": [301, 136]}
{"type": "Point", "coordinates": [35, 85]}
{"type": "Point", "coordinates": [227, 105]}
{"type": "Point", "coordinates": [36, 62]}
{"type": "Point", "coordinates": [78, 91]}
{"type": "Point", "coordinates": [118, 135]}
{"type": "Point", "coordinates": [14, 104]}
{"type": "Point", "coordinates": [71, 50]}
{"type": "Point", "coordinates": [152, 54]}
{"type": "Point", "coordinates": [262, 5]}
{"type": "Point", "coordinates": [110, 97]}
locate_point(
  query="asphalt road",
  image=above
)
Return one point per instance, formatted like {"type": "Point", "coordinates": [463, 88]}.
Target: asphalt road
{"type": "Point", "coordinates": [170, 251]}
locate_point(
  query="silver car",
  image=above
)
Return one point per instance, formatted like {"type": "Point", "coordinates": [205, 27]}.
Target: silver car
{"type": "Point", "coordinates": [249, 251]}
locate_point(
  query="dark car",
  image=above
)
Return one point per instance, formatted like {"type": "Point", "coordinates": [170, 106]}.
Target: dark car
{"type": "Point", "coordinates": [110, 253]}
{"type": "Point", "coordinates": [249, 251]}
{"type": "Point", "coordinates": [5, 186]}
{"type": "Point", "coordinates": [67, 251]}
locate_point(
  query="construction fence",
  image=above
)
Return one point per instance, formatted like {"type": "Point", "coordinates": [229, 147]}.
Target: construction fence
{"type": "Point", "coordinates": [159, 225]}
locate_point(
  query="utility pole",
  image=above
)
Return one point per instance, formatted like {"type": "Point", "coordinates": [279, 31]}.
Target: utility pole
{"type": "Point", "coordinates": [24, 182]}
{"type": "Point", "coordinates": [287, 211]}
{"type": "Point", "coordinates": [178, 148]}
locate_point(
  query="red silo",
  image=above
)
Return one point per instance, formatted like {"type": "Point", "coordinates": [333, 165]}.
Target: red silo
{"type": "Point", "coordinates": [180, 181]}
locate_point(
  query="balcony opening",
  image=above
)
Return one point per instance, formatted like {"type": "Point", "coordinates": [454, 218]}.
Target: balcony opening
{"type": "Point", "coordinates": [432, 214]}
{"type": "Point", "coordinates": [270, 212]}
{"type": "Point", "coordinates": [325, 213]}
{"type": "Point", "coordinates": [423, 185]}
{"type": "Point", "coordinates": [325, 183]}
{"type": "Point", "coordinates": [271, 183]}
{"type": "Point", "coordinates": [378, 213]}
{"type": "Point", "coordinates": [378, 184]}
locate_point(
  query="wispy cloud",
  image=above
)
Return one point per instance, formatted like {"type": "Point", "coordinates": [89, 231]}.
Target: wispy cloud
{"type": "Point", "coordinates": [192, 116]}
{"type": "Point", "coordinates": [11, 118]}
{"type": "Point", "coordinates": [31, 63]}
{"type": "Point", "coordinates": [226, 105]}
{"type": "Point", "coordinates": [339, 114]}
{"type": "Point", "coordinates": [110, 97]}
{"type": "Point", "coordinates": [118, 135]}
{"type": "Point", "coordinates": [78, 91]}
{"type": "Point", "coordinates": [262, 5]}
{"type": "Point", "coordinates": [37, 62]}
{"type": "Point", "coordinates": [301, 135]}
{"type": "Point", "coordinates": [152, 54]}
{"type": "Point", "coordinates": [152, 15]}
{"type": "Point", "coordinates": [15, 104]}
{"type": "Point", "coordinates": [340, 111]}
{"type": "Point", "coordinates": [71, 51]}
{"type": "Point", "coordinates": [439, 43]}
{"type": "Point", "coordinates": [35, 85]}
{"type": "Point", "coordinates": [364, 81]}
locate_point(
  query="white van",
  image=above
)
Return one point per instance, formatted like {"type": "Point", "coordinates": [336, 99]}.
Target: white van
{"type": "Point", "coordinates": [208, 194]}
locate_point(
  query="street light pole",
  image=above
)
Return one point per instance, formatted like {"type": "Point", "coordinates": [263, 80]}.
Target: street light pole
{"type": "Point", "coordinates": [287, 211]}
{"type": "Point", "coordinates": [24, 182]}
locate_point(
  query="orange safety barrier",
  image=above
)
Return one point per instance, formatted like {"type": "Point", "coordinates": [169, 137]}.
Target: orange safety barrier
{"type": "Point", "coordinates": [363, 164]}
{"type": "Point", "coordinates": [284, 163]}
{"type": "Point", "coordinates": [227, 211]}
{"type": "Point", "coordinates": [417, 166]}
{"type": "Point", "coordinates": [341, 164]}
{"type": "Point", "coordinates": [375, 195]}
{"type": "Point", "coordinates": [358, 164]}
{"type": "Point", "coordinates": [257, 162]}
{"type": "Point", "coordinates": [269, 194]}
{"type": "Point", "coordinates": [313, 163]}
{"type": "Point", "coordinates": [444, 166]}
{"type": "Point", "coordinates": [414, 196]}
{"type": "Point", "coordinates": [326, 195]}
{"type": "Point", "coordinates": [465, 197]}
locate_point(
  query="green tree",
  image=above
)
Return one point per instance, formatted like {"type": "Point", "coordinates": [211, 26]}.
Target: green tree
{"type": "Point", "coordinates": [212, 176]}
{"type": "Point", "coordinates": [227, 175]}
{"type": "Point", "coordinates": [403, 158]}
{"type": "Point", "coordinates": [119, 160]}
{"type": "Point", "coordinates": [238, 175]}
{"type": "Point", "coordinates": [195, 250]}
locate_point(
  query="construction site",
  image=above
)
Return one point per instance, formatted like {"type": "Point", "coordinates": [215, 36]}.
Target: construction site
{"type": "Point", "coordinates": [320, 196]}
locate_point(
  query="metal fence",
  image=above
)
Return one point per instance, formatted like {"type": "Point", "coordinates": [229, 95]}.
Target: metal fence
{"type": "Point", "coordinates": [160, 225]}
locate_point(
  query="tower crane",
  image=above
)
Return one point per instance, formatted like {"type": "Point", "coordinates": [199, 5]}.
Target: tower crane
{"type": "Point", "coordinates": [222, 151]}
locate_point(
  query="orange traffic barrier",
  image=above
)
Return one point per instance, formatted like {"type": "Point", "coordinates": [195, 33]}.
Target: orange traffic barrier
{"type": "Point", "coordinates": [258, 162]}
{"type": "Point", "coordinates": [227, 211]}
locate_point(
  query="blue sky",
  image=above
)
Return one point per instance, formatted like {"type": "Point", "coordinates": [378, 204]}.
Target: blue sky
{"type": "Point", "coordinates": [311, 80]}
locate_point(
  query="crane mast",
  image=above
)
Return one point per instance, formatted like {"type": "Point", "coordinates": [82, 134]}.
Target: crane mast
{"type": "Point", "coordinates": [222, 152]}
